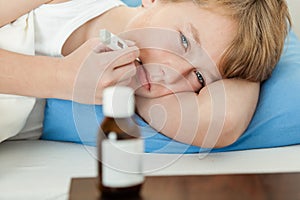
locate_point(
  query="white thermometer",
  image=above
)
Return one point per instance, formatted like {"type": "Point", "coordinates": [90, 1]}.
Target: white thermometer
{"type": "Point", "coordinates": [113, 42]}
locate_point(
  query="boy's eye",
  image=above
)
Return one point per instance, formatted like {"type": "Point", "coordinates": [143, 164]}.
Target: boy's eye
{"type": "Point", "coordinates": [184, 41]}
{"type": "Point", "coordinates": [200, 78]}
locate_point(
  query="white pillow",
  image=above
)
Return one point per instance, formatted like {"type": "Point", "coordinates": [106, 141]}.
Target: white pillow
{"type": "Point", "coordinates": [14, 110]}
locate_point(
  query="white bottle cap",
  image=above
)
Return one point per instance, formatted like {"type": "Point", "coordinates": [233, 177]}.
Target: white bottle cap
{"type": "Point", "coordinates": [118, 102]}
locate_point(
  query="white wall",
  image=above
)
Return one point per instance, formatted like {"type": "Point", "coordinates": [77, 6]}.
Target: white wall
{"type": "Point", "coordinates": [294, 6]}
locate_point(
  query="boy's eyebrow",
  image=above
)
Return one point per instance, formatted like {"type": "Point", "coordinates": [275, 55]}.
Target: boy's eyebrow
{"type": "Point", "coordinates": [195, 33]}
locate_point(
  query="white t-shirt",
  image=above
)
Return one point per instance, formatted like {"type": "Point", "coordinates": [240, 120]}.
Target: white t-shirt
{"type": "Point", "coordinates": [54, 23]}
{"type": "Point", "coordinates": [44, 30]}
{"type": "Point", "coordinates": [14, 110]}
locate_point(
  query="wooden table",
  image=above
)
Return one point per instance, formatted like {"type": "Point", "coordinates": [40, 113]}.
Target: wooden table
{"type": "Point", "coordinates": [241, 187]}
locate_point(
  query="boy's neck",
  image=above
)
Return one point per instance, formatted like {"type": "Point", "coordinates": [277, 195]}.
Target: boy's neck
{"type": "Point", "coordinates": [114, 20]}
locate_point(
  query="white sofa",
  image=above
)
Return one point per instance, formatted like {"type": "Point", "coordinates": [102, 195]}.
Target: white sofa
{"type": "Point", "coordinates": [42, 170]}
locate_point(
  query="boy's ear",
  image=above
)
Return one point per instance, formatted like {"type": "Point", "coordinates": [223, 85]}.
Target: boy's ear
{"type": "Point", "coordinates": [147, 3]}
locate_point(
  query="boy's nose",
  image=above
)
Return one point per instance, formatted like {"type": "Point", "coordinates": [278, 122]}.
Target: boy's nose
{"type": "Point", "coordinates": [165, 73]}
{"type": "Point", "coordinates": [156, 72]}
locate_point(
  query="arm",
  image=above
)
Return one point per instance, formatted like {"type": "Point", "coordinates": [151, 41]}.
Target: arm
{"type": "Point", "coordinates": [79, 73]}
{"type": "Point", "coordinates": [216, 117]}
{"type": "Point", "coordinates": [42, 76]}
{"type": "Point", "coordinates": [12, 9]}
{"type": "Point", "coordinates": [25, 75]}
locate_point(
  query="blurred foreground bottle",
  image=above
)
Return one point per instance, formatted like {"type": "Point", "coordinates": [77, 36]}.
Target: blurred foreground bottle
{"type": "Point", "coordinates": [120, 147]}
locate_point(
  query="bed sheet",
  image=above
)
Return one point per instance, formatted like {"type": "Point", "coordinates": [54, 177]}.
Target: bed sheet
{"type": "Point", "coordinates": [38, 170]}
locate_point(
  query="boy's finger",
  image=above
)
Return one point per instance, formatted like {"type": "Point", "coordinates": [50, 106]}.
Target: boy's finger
{"type": "Point", "coordinates": [121, 57]}
{"type": "Point", "coordinates": [124, 72]}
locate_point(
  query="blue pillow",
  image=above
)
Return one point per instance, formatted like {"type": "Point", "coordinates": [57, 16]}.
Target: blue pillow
{"type": "Point", "coordinates": [275, 122]}
{"type": "Point", "coordinates": [73, 122]}
{"type": "Point", "coordinates": [132, 3]}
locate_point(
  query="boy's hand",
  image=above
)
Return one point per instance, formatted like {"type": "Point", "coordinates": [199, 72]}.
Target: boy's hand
{"type": "Point", "coordinates": [93, 67]}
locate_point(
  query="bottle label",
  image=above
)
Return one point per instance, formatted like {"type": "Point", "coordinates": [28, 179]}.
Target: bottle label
{"type": "Point", "coordinates": [122, 163]}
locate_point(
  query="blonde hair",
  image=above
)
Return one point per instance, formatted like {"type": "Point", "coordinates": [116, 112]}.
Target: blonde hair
{"type": "Point", "coordinates": [262, 28]}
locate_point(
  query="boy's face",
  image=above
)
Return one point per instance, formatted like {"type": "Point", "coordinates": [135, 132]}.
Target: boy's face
{"type": "Point", "coordinates": [169, 68]}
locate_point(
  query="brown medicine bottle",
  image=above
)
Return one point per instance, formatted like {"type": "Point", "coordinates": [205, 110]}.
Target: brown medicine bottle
{"type": "Point", "coordinates": [120, 147]}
